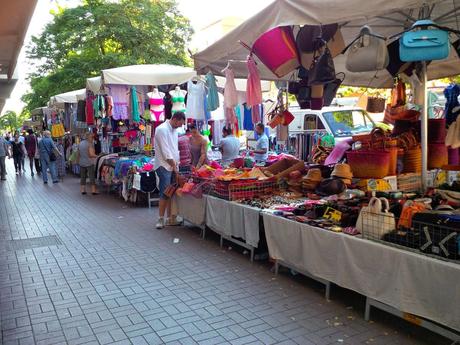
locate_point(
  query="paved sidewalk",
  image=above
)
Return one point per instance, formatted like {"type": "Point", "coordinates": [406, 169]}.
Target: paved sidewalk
{"type": "Point", "coordinates": [91, 270]}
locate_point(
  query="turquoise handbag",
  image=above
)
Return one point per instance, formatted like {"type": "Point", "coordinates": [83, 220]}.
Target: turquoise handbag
{"type": "Point", "coordinates": [425, 44]}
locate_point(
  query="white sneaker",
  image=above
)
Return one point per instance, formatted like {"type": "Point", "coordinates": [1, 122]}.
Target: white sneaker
{"type": "Point", "coordinates": [178, 220]}
{"type": "Point", "coordinates": [160, 224]}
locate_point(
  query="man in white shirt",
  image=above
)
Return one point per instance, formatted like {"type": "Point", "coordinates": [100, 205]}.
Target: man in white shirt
{"type": "Point", "coordinates": [229, 146]}
{"type": "Point", "coordinates": [262, 145]}
{"type": "Point", "coordinates": [167, 158]}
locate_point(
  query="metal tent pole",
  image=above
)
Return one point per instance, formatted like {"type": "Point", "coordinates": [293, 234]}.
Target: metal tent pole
{"type": "Point", "coordinates": [424, 125]}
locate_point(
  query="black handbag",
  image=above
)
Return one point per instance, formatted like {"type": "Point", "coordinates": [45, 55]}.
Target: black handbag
{"type": "Point", "coordinates": [330, 90]}
{"type": "Point", "coordinates": [322, 70]}
{"type": "Point", "coordinates": [148, 182]}
{"type": "Point", "coordinates": [439, 233]}
{"type": "Point", "coordinates": [293, 87]}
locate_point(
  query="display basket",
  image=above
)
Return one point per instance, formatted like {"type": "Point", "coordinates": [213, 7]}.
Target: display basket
{"type": "Point", "coordinates": [411, 182]}
{"type": "Point", "coordinates": [244, 189]}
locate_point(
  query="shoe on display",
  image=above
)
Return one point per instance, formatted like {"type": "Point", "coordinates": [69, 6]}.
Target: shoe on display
{"type": "Point", "coordinates": [160, 224]}
{"type": "Point", "coordinates": [178, 220]}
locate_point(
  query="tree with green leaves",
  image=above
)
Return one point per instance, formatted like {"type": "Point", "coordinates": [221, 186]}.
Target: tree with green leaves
{"type": "Point", "coordinates": [10, 121]}
{"type": "Point", "coordinates": [99, 34]}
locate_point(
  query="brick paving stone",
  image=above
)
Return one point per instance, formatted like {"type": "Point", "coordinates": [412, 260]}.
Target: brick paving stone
{"type": "Point", "coordinates": [117, 281]}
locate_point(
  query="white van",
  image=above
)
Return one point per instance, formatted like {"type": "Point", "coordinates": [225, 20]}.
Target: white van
{"type": "Point", "coordinates": [341, 122]}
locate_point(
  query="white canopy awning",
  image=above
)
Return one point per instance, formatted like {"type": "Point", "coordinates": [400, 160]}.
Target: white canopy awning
{"type": "Point", "coordinates": [148, 75]}
{"type": "Point", "coordinates": [384, 17]}
{"type": "Point", "coordinates": [69, 97]}
{"type": "Point", "coordinates": [94, 84]}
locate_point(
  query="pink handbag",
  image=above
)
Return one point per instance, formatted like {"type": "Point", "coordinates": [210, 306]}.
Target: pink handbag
{"type": "Point", "coordinates": [277, 50]}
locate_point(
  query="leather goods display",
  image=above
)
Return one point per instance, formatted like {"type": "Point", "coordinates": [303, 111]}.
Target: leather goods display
{"type": "Point", "coordinates": [439, 233]}
{"type": "Point", "coordinates": [425, 44]}
{"type": "Point", "coordinates": [368, 53]}
{"type": "Point", "coordinates": [305, 40]}
{"type": "Point", "coordinates": [277, 50]}
{"type": "Point", "coordinates": [375, 220]}
{"type": "Point", "coordinates": [330, 89]}
{"type": "Point", "coordinates": [322, 70]}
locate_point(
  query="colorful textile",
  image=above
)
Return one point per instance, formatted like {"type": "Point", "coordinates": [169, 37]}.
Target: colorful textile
{"type": "Point", "coordinates": [195, 100]}
{"type": "Point", "coordinates": [135, 105]}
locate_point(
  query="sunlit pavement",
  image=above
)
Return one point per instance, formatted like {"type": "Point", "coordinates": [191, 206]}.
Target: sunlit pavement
{"type": "Point", "coordinates": [92, 270]}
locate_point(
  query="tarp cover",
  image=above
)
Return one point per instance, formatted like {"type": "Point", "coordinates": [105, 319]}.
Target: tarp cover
{"type": "Point", "coordinates": [148, 75]}
{"type": "Point", "coordinates": [384, 17]}
{"type": "Point", "coordinates": [69, 97]}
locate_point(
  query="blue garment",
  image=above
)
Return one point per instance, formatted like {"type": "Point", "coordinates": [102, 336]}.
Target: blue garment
{"type": "Point", "coordinates": [451, 93]}
{"type": "Point", "coordinates": [247, 119]}
{"type": "Point", "coordinates": [212, 97]}
{"type": "Point", "coordinates": [207, 113]}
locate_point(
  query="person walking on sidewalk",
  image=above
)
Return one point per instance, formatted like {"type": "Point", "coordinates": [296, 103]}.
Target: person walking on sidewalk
{"type": "Point", "coordinates": [31, 147]}
{"type": "Point", "coordinates": [166, 160]}
{"type": "Point", "coordinates": [18, 150]}
{"type": "Point", "coordinates": [86, 159]}
{"type": "Point", "coordinates": [48, 156]}
{"type": "Point", "coordinates": [4, 152]}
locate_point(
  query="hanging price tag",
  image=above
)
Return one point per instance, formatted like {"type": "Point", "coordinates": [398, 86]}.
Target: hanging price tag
{"type": "Point", "coordinates": [332, 214]}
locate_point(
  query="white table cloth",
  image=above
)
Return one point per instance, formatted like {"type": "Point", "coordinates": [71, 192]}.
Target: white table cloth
{"type": "Point", "coordinates": [233, 219]}
{"type": "Point", "coordinates": [407, 281]}
{"type": "Point", "coordinates": [192, 209]}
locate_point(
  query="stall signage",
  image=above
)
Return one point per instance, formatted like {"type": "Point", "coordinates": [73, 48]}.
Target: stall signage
{"type": "Point", "coordinates": [333, 214]}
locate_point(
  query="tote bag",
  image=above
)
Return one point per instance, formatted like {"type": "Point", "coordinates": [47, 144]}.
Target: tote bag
{"type": "Point", "coordinates": [373, 221]}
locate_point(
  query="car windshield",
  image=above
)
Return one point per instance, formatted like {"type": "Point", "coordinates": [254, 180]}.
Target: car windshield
{"type": "Point", "coordinates": [345, 123]}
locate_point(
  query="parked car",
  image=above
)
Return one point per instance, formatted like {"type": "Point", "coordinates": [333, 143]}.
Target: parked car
{"type": "Point", "coordinates": [341, 122]}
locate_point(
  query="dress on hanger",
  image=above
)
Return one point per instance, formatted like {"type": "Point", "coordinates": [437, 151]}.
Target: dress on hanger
{"type": "Point", "coordinates": [230, 97]}
{"type": "Point", "coordinates": [213, 96]}
{"type": "Point", "coordinates": [195, 100]}
{"type": "Point", "coordinates": [253, 86]}
{"type": "Point", "coordinates": [120, 97]}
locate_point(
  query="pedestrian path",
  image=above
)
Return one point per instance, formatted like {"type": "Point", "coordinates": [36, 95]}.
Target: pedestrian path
{"type": "Point", "coordinates": [89, 269]}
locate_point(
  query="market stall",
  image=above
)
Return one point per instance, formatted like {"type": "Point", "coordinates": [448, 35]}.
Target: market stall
{"type": "Point", "coordinates": [401, 279]}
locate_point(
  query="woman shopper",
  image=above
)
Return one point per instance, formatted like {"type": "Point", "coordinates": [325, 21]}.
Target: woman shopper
{"type": "Point", "coordinates": [48, 156]}
{"type": "Point", "coordinates": [198, 147]}
{"type": "Point", "coordinates": [31, 147]}
{"type": "Point", "coordinates": [18, 149]}
{"type": "Point", "coordinates": [86, 160]}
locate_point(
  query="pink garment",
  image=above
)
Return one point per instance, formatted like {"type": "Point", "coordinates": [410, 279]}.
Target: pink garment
{"type": "Point", "coordinates": [253, 86]}
{"type": "Point", "coordinates": [230, 92]}
{"type": "Point", "coordinates": [156, 101]}
{"type": "Point", "coordinates": [255, 114]}
{"type": "Point", "coordinates": [230, 116]}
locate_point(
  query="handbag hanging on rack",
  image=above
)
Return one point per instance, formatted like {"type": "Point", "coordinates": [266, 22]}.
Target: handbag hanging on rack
{"type": "Point", "coordinates": [368, 53]}
{"type": "Point", "coordinates": [424, 44]}
{"type": "Point", "coordinates": [322, 70]}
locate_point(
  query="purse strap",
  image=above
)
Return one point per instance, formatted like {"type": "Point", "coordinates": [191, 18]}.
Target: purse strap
{"type": "Point", "coordinates": [375, 205]}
